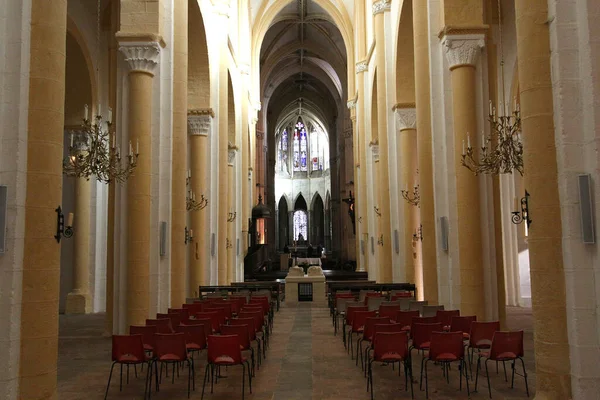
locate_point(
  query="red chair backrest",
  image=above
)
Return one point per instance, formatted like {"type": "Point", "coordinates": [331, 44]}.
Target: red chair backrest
{"type": "Point", "coordinates": [221, 313]}
{"type": "Point", "coordinates": [462, 324]}
{"type": "Point", "coordinates": [258, 302]}
{"type": "Point", "coordinates": [371, 294]}
{"type": "Point", "coordinates": [258, 318]}
{"type": "Point", "coordinates": [262, 300]}
{"type": "Point", "coordinates": [213, 316]}
{"type": "Point", "coordinates": [184, 312]}
{"type": "Point", "coordinates": [482, 334]}
{"type": "Point", "coordinates": [445, 316]}
{"type": "Point", "coordinates": [370, 326]}
{"type": "Point", "coordinates": [163, 325]}
{"type": "Point", "coordinates": [128, 348]}
{"type": "Point", "coordinates": [421, 334]}
{"type": "Point", "coordinates": [147, 333]}
{"type": "Point", "coordinates": [224, 349]}
{"type": "Point", "coordinates": [234, 307]}
{"type": "Point", "coordinates": [241, 330]}
{"type": "Point", "coordinates": [422, 320]}
{"type": "Point", "coordinates": [350, 310]}
{"type": "Point", "coordinates": [389, 310]}
{"type": "Point", "coordinates": [170, 346]}
{"type": "Point", "coordinates": [249, 322]}
{"type": "Point", "coordinates": [507, 345]}
{"type": "Point", "coordinates": [360, 318]}
{"type": "Point", "coordinates": [386, 328]}
{"type": "Point", "coordinates": [390, 346]}
{"type": "Point", "coordinates": [240, 299]}
{"type": "Point", "coordinates": [175, 319]}
{"type": "Point", "coordinates": [253, 307]}
{"type": "Point", "coordinates": [404, 318]}
{"type": "Point", "coordinates": [194, 335]}
{"type": "Point", "coordinates": [205, 322]}
{"type": "Point", "coordinates": [446, 343]}
{"type": "Point", "coordinates": [193, 308]}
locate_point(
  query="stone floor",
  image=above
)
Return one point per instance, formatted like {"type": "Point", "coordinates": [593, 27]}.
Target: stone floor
{"type": "Point", "coordinates": [304, 361]}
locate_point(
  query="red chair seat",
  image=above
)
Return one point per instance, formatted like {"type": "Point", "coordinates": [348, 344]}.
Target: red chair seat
{"type": "Point", "coordinates": [391, 357]}
{"type": "Point", "coordinates": [406, 328]}
{"type": "Point", "coordinates": [128, 359]}
{"type": "Point", "coordinates": [226, 360]}
{"type": "Point", "coordinates": [446, 357]}
{"type": "Point", "coordinates": [147, 347]}
{"type": "Point", "coordinates": [193, 346]}
{"type": "Point", "coordinates": [169, 357]}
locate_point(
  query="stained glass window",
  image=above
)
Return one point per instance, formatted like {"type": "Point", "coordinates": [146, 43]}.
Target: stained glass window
{"type": "Point", "coordinates": [297, 148]}
{"type": "Point", "coordinates": [303, 148]}
{"type": "Point", "coordinates": [300, 225]}
{"type": "Point", "coordinates": [283, 151]}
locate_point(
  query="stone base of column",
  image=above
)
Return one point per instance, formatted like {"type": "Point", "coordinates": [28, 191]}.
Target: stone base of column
{"type": "Point", "coordinates": [78, 303]}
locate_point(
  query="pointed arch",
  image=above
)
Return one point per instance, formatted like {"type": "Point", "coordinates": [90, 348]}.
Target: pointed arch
{"type": "Point", "coordinates": [318, 220]}
{"type": "Point", "coordinates": [283, 222]}
{"type": "Point", "coordinates": [198, 63]}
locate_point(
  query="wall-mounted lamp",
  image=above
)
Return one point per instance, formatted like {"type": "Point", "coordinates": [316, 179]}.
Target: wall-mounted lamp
{"type": "Point", "coordinates": [228, 243]}
{"type": "Point", "coordinates": [418, 235]}
{"type": "Point", "coordinates": [377, 211]}
{"type": "Point", "coordinates": [61, 229]}
{"type": "Point", "coordinates": [412, 198]}
{"type": "Point", "coordinates": [523, 215]}
{"type": "Point", "coordinates": [189, 235]}
{"type": "Point", "coordinates": [380, 240]}
{"type": "Point", "coordinates": [231, 216]}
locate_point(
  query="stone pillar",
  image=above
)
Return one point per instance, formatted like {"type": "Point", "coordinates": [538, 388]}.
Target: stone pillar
{"type": "Point", "coordinates": [199, 126]}
{"type": "Point", "coordinates": [462, 52]}
{"type": "Point", "coordinates": [231, 237]}
{"type": "Point", "coordinates": [384, 233]}
{"type": "Point", "coordinates": [78, 301]}
{"type": "Point", "coordinates": [179, 157]}
{"type": "Point", "coordinates": [355, 164]}
{"type": "Point", "coordinates": [245, 160]}
{"type": "Point", "coordinates": [425, 158]}
{"type": "Point", "coordinates": [407, 169]}
{"type": "Point", "coordinates": [142, 53]}
{"type": "Point", "coordinates": [553, 380]}
{"type": "Point", "coordinates": [377, 211]}
{"type": "Point", "coordinates": [41, 253]}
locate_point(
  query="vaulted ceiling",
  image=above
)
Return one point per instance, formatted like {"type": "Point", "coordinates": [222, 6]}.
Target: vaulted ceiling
{"type": "Point", "coordinates": [303, 61]}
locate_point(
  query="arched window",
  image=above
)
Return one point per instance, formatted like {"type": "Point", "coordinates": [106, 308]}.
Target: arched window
{"type": "Point", "coordinates": [300, 225]}
{"type": "Point", "coordinates": [283, 151]}
{"type": "Point", "coordinates": [300, 148]}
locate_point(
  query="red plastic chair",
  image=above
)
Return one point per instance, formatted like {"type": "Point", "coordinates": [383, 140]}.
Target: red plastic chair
{"type": "Point", "coordinates": [350, 310]}
{"type": "Point", "coordinates": [175, 319]}
{"type": "Point", "coordinates": [391, 348]}
{"type": "Point", "coordinates": [462, 324]}
{"type": "Point", "coordinates": [193, 308]}
{"type": "Point", "coordinates": [389, 310]}
{"type": "Point", "coordinates": [378, 328]}
{"type": "Point", "coordinates": [251, 324]}
{"type": "Point", "coordinates": [259, 322]}
{"type": "Point", "coordinates": [171, 349]}
{"type": "Point", "coordinates": [421, 336]}
{"type": "Point", "coordinates": [244, 334]}
{"type": "Point", "coordinates": [129, 350]}
{"type": "Point", "coordinates": [163, 325]}
{"type": "Point", "coordinates": [367, 335]}
{"type": "Point", "coordinates": [445, 317]}
{"type": "Point", "coordinates": [405, 318]}
{"type": "Point", "coordinates": [506, 346]}
{"type": "Point", "coordinates": [213, 316]}
{"type": "Point", "coordinates": [445, 348]}
{"type": "Point", "coordinates": [422, 320]}
{"type": "Point", "coordinates": [358, 326]}
{"type": "Point", "coordinates": [371, 294]}
{"type": "Point", "coordinates": [184, 312]}
{"type": "Point", "coordinates": [195, 337]}
{"type": "Point", "coordinates": [224, 350]}
{"type": "Point", "coordinates": [147, 333]}
{"type": "Point", "coordinates": [221, 315]}
{"type": "Point", "coordinates": [481, 335]}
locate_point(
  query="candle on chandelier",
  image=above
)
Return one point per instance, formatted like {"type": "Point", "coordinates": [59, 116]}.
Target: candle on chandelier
{"type": "Point", "coordinates": [463, 152]}
{"type": "Point", "coordinates": [71, 139]}
{"type": "Point", "coordinates": [85, 112]}
{"type": "Point", "coordinates": [114, 139]}
{"type": "Point", "coordinates": [130, 148]}
{"type": "Point", "coordinates": [468, 141]}
{"type": "Point", "coordinates": [482, 139]}
{"type": "Point", "coordinates": [193, 196]}
{"type": "Point", "coordinates": [191, 233]}
{"type": "Point", "coordinates": [137, 147]}
{"type": "Point", "coordinates": [109, 120]}
{"type": "Point", "coordinates": [70, 220]}
{"type": "Point", "coordinates": [100, 110]}
{"type": "Point", "coordinates": [189, 174]}
{"type": "Point", "coordinates": [491, 108]}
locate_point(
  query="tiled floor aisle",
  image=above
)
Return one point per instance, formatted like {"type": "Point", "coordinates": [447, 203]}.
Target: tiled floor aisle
{"type": "Point", "coordinates": [304, 361]}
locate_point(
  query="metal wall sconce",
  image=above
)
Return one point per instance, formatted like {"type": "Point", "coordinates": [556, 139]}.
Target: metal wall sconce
{"type": "Point", "coordinates": [231, 216]}
{"type": "Point", "coordinates": [61, 229]}
{"type": "Point", "coordinates": [377, 211]}
{"type": "Point", "coordinates": [189, 235]}
{"type": "Point", "coordinates": [380, 240]}
{"type": "Point", "coordinates": [418, 235]}
{"type": "Point", "coordinates": [412, 198]}
{"type": "Point", "coordinates": [228, 243]}
{"type": "Point", "coordinates": [523, 215]}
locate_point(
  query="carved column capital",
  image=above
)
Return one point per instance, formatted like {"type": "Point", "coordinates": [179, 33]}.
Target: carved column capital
{"type": "Point", "coordinates": [199, 123]}
{"type": "Point", "coordinates": [463, 49]}
{"type": "Point", "coordinates": [141, 56]}
{"type": "Point", "coordinates": [381, 6]}
{"type": "Point", "coordinates": [406, 118]}
{"type": "Point", "coordinates": [361, 66]}
{"type": "Point", "coordinates": [351, 104]}
{"type": "Point", "coordinates": [232, 150]}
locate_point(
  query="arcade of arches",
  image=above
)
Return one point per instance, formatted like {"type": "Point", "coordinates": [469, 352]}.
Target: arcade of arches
{"type": "Point", "coordinates": [327, 112]}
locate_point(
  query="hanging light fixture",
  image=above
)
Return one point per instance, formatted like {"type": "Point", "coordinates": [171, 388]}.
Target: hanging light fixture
{"type": "Point", "coordinates": [191, 204]}
{"type": "Point", "coordinates": [501, 151]}
{"type": "Point", "coordinates": [91, 153]}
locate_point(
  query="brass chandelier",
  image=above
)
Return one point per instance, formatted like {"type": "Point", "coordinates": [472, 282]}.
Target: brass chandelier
{"type": "Point", "coordinates": [191, 204]}
{"type": "Point", "coordinates": [91, 155]}
{"type": "Point", "coordinates": [501, 151]}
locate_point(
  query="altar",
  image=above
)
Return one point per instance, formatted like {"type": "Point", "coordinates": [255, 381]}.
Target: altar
{"type": "Point", "coordinates": [310, 287]}
{"type": "Point", "coordinates": [307, 260]}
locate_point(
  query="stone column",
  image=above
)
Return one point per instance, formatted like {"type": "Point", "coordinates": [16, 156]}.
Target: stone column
{"type": "Point", "coordinates": [553, 380]}
{"type": "Point", "coordinates": [425, 158]}
{"type": "Point", "coordinates": [377, 211]}
{"type": "Point", "coordinates": [384, 233]}
{"type": "Point", "coordinates": [78, 301]}
{"type": "Point", "coordinates": [179, 154]}
{"type": "Point", "coordinates": [231, 239]}
{"type": "Point", "coordinates": [41, 253]}
{"type": "Point", "coordinates": [355, 163]}
{"type": "Point", "coordinates": [142, 53]}
{"type": "Point", "coordinates": [407, 169]}
{"type": "Point", "coordinates": [245, 160]}
{"type": "Point", "coordinates": [462, 52]}
{"type": "Point", "coordinates": [199, 126]}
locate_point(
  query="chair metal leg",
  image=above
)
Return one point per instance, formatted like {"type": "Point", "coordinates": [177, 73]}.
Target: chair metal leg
{"type": "Point", "coordinates": [190, 368]}
{"type": "Point", "coordinates": [121, 379]}
{"type": "Point", "coordinates": [423, 363]}
{"type": "Point", "coordinates": [408, 367]}
{"type": "Point", "coordinates": [477, 372]}
{"type": "Point", "coordinates": [204, 381]}
{"type": "Point", "coordinates": [243, 379]}
{"type": "Point", "coordinates": [466, 377]}
{"type": "Point", "coordinates": [358, 350]}
{"type": "Point", "coordinates": [109, 378]}
{"type": "Point", "coordinates": [525, 376]}
{"type": "Point", "coordinates": [504, 366]}
{"type": "Point", "coordinates": [426, 380]}
{"type": "Point", "coordinates": [487, 374]}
